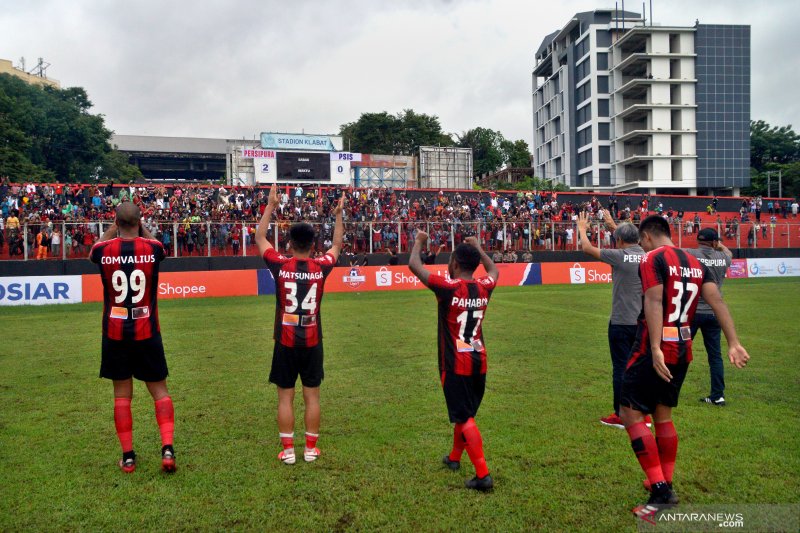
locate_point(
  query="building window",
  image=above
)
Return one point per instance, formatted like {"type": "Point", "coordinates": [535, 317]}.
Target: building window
{"type": "Point", "coordinates": [584, 114]}
{"type": "Point", "coordinates": [585, 159]}
{"type": "Point", "coordinates": [602, 107]}
{"type": "Point", "coordinates": [582, 70]}
{"type": "Point", "coordinates": [602, 84]}
{"type": "Point", "coordinates": [602, 61]}
{"type": "Point", "coordinates": [604, 154]}
{"type": "Point", "coordinates": [604, 131]}
{"type": "Point", "coordinates": [581, 48]}
{"type": "Point", "coordinates": [603, 38]}
{"type": "Point", "coordinates": [584, 137]}
{"type": "Point", "coordinates": [583, 92]}
{"type": "Point", "coordinates": [605, 177]}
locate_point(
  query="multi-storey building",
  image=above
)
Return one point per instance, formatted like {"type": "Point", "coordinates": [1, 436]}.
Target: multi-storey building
{"type": "Point", "coordinates": [620, 104]}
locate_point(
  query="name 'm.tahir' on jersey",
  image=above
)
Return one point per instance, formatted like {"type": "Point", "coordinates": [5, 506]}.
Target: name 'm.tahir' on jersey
{"type": "Point", "coordinates": [681, 277]}
{"type": "Point", "coordinates": [299, 286]}
{"type": "Point", "coordinates": [129, 270]}
{"type": "Point", "coordinates": [462, 308]}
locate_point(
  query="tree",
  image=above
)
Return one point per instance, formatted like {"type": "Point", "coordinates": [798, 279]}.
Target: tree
{"type": "Point", "coordinates": [770, 144]}
{"type": "Point", "coordinates": [49, 134]}
{"type": "Point", "coordinates": [516, 153]}
{"type": "Point", "coordinates": [487, 149]}
{"type": "Point", "coordinates": [773, 149]}
{"type": "Point", "coordinates": [115, 167]}
{"type": "Point", "coordinates": [401, 134]}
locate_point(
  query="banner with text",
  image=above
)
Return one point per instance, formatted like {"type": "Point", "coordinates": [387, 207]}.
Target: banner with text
{"type": "Point", "coordinates": [40, 290]}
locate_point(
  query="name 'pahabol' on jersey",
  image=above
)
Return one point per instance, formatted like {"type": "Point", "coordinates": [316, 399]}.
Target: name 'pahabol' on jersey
{"type": "Point", "coordinates": [681, 277]}
{"type": "Point", "coordinates": [462, 307]}
{"type": "Point", "coordinates": [129, 270]}
{"type": "Point", "coordinates": [299, 285]}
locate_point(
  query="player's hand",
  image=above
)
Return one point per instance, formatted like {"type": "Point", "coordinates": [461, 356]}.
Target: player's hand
{"type": "Point", "coordinates": [738, 356]}
{"type": "Point", "coordinates": [339, 206]}
{"type": "Point", "coordinates": [583, 221]}
{"type": "Point", "coordinates": [274, 201]}
{"type": "Point", "coordinates": [473, 241]}
{"type": "Point", "coordinates": [659, 365]}
{"type": "Point", "coordinates": [422, 237]}
{"type": "Point", "coordinates": [607, 216]}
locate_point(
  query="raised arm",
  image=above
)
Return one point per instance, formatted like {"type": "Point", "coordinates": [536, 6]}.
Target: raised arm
{"type": "Point", "coordinates": [111, 233]}
{"type": "Point", "coordinates": [586, 245]}
{"type": "Point", "coordinates": [415, 261]}
{"type": "Point", "coordinates": [736, 352]}
{"type": "Point", "coordinates": [610, 224]}
{"type": "Point", "coordinates": [261, 232]}
{"type": "Point", "coordinates": [722, 248]}
{"type": "Point", "coordinates": [338, 229]}
{"type": "Point", "coordinates": [486, 261]}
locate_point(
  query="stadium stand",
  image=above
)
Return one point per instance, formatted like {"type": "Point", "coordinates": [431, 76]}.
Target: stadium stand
{"type": "Point", "coordinates": [63, 220]}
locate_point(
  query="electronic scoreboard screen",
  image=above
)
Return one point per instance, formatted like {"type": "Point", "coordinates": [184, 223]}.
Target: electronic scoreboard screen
{"type": "Point", "coordinates": [305, 166]}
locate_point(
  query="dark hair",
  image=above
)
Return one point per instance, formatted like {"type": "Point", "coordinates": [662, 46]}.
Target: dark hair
{"type": "Point", "coordinates": [655, 225]}
{"type": "Point", "coordinates": [302, 236]}
{"type": "Point", "coordinates": [467, 256]}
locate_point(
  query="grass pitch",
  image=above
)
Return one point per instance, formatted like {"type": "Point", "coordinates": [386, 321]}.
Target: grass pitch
{"type": "Point", "coordinates": [384, 421]}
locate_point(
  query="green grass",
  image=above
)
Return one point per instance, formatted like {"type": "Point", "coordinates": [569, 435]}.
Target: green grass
{"type": "Point", "coordinates": [384, 421]}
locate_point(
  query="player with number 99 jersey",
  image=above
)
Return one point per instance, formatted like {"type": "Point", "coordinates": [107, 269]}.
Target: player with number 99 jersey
{"type": "Point", "coordinates": [129, 271]}
{"type": "Point", "coordinates": [298, 288]}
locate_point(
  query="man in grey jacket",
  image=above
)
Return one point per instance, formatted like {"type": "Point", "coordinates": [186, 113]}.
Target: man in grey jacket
{"type": "Point", "coordinates": [717, 258]}
{"type": "Point", "coordinates": [626, 296]}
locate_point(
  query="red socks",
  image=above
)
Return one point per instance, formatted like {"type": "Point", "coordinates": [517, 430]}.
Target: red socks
{"type": "Point", "coordinates": [667, 440]}
{"type": "Point", "coordinates": [165, 416]}
{"type": "Point", "coordinates": [287, 441]}
{"type": "Point", "coordinates": [474, 446]}
{"type": "Point", "coordinates": [311, 440]}
{"type": "Point", "coordinates": [646, 450]}
{"type": "Point", "coordinates": [458, 443]}
{"type": "Point", "coordinates": [123, 421]}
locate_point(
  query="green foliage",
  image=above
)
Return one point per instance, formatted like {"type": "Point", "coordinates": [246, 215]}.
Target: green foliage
{"type": "Point", "coordinates": [49, 134]}
{"type": "Point", "coordinates": [401, 134]}
{"type": "Point", "coordinates": [487, 149]}
{"type": "Point", "coordinates": [384, 423]}
{"type": "Point", "coordinates": [528, 183]}
{"type": "Point", "coordinates": [516, 153]}
{"type": "Point", "coordinates": [115, 167]}
{"type": "Point", "coordinates": [773, 149]}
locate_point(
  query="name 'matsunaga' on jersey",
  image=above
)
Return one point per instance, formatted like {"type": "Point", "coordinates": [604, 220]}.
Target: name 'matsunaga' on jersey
{"type": "Point", "coordinates": [129, 270]}
{"type": "Point", "coordinates": [462, 307]}
{"type": "Point", "coordinates": [299, 285]}
{"type": "Point", "coordinates": [681, 277]}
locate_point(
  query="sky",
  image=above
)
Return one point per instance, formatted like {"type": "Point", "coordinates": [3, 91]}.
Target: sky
{"type": "Point", "coordinates": [233, 69]}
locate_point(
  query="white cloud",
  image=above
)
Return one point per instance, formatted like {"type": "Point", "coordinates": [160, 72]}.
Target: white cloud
{"type": "Point", "coordinates": [237, 68]}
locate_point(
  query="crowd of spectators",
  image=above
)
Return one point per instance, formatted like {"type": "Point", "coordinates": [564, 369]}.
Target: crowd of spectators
{"type": "Point", "coordinates": [190, 218]}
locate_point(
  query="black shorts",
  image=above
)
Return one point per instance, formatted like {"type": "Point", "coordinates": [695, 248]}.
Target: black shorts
{"type": "Point", "coordinates": [143, 360]}
{"type": "Point", "coordinates": [643, 388]}
{"type": "Point", "coordinates": [288, 363]}
{"type": "Point", "coordinates": [463, 395]}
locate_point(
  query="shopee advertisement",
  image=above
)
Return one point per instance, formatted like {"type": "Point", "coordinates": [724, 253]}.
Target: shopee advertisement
{"type": "Point", "coordinates": [187, 284]}
{"type": "Point", "coordinates": [577, 273]}
{"type": "Point", "coordinates": [400, 278]}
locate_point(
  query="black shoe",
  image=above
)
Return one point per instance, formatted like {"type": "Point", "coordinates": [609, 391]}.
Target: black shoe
{"type": "Point", "coordinates": [482, 484]}
{"type": "Point", "coordinates": [662, 494]}
{"type": "Point", "coordinates": [719, 402]}
{"type": "Point", "coordinates": [452, 465]}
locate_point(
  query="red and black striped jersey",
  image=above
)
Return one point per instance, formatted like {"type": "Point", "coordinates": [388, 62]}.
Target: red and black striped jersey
{"type": "Point", "coordinates": [681, 277]}
{"type": "Point", "coordinates": [299, 285]}
{"type": "Point", "coordinates": [129, 270]}
{"type": "Point", "coordinates": [462, 308]}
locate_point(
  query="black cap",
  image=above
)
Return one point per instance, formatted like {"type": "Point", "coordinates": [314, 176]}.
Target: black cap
{"type": "Point", "coordinates": [707, 235]}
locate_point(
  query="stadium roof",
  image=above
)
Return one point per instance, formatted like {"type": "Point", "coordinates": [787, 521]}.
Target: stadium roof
{"type": "Point", "coordinates": [188, 145]}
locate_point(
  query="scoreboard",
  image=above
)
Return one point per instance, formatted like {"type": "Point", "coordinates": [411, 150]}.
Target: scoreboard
{"type": "Point", "coordinates": [304, 166]}
{"type": "Point", "coordinates": [322, 168]}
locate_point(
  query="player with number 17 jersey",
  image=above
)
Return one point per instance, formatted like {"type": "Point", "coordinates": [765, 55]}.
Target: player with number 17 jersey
{"type": "Point", "coordinates": [129, 271]}
{"type": "Point", "coordinates": [299, 286]}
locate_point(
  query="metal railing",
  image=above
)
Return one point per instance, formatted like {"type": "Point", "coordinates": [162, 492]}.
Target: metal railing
{"type": "Point", "coordinates": [70, 240]}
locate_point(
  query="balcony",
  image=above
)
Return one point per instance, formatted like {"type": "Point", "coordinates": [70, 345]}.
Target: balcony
{"type": "Point", "coordinates": [640, 111]}
{"type": "Point", "coordinates": [641, 135]}
{"type": "Point", "coordinates": [637, 87]}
